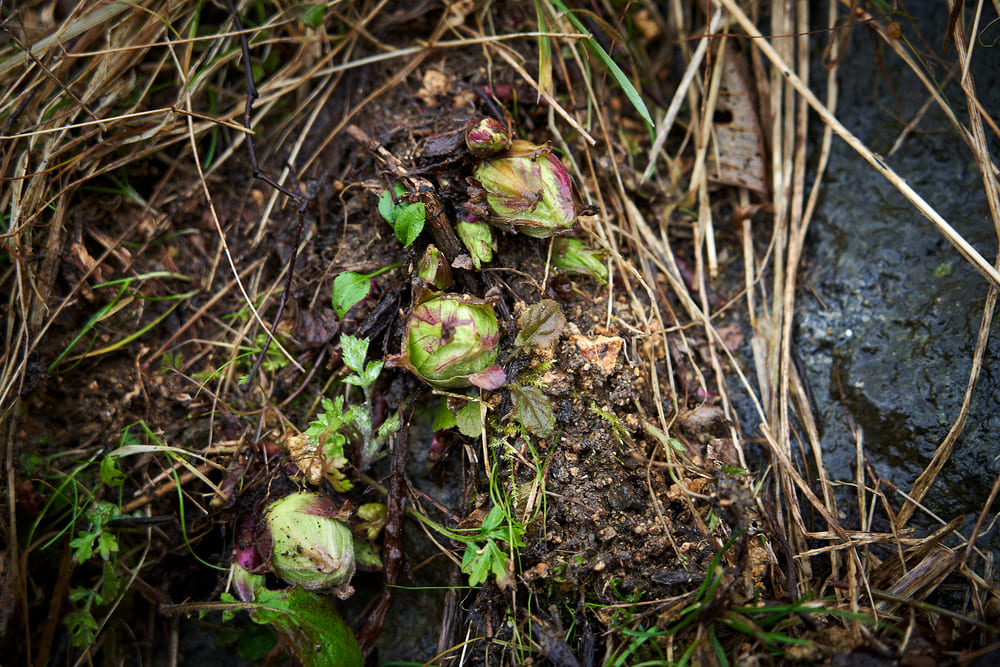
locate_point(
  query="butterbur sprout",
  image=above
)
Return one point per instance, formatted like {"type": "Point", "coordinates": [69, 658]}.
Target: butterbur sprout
{"type": "Point", "coordinates": [527, 190]}
{"type": "Point", "coordinates": [451, 342]}
{"type": "Point", "coordinates": [486, 137]}
{"type": "Point", "coordinates": [433, 268]}
{"type": "Point", "coordinates": [477, 237]}
{"type": "Point", "coordinates": [246, 577]}
{"type": "Point", "coordinates": [309, 545]}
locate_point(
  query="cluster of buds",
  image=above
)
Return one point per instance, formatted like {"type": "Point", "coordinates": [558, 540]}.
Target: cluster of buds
{"type": "Point", "coordinates": [518, 186]}
{"type": "Point", "coordinates": [451, 341]}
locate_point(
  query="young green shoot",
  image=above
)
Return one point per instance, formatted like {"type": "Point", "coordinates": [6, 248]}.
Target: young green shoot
{"type": "Point", "coordinates": [406, 219]}
{"type": "Point", "coordinates": [349, 288]}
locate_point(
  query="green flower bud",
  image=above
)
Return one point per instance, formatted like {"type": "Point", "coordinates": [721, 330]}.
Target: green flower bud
{"type": "Point", "coordinates": [477, 237]}
{"type": "Point", "coordinates": [450, 342]}
{"type": "Point", "coordinates": [486, 137]}
{"type": "Point", "coordinates": [434, 269]}
{"type": "Point", "coordinates": [308, 545]}
{"type": "Point", "coordinates": [527, 190]}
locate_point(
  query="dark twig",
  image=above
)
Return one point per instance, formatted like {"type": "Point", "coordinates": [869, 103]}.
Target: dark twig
{"type": "Point", "coordinates": [393, 557]}
{"type": "Point", "coordinates": [302, 202]}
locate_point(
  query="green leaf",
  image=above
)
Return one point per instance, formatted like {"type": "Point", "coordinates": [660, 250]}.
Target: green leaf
{"type": "Point", "coordinates": [387, 207]}
{"type": "Point", "coordinates": [106, 544]}
{"type": "Point", "coordinates": [388, 427]}
{"type": "Point", "coordinates": [445, 418]}
{"type": "Point", "coordinates": [312, 14]}
{"type": "Point", "coordinates": [372, 371]}
{"type": "Point", "coordinates": [348, 289]}
{"type": "Point", "coordinates": [409, 223]}
{"type": "Point", "coordinates": [83, 626]}
{"type": "Point", "coordinates": [469, 422]}
{"type": "Point", "coordinates": [480, 562]}
{"type": "Point", "coordinates": [540, 324]}
{"type": "Point", "coordinates": [573, 257]}
{"type": "Point", "coordinates": [110, 474]}
{"type": "Point", "coordinates": [228, 615]}
{"type": "Point", "coordinates": [324, 432]}
{"type": "Point", "coordinates": [83, 546]}
{"type": "Point", "coordinates": [111, 584]}
{"type": "Point", "coordinates": [355, 350]}
{"type": "Point", "coordinates": [366, 376]}
{"type": "Point", "coordinates": [492, 520]}
{"type": "Point", "coordinates": [533, 410]}
{"type": "Point", "coordinates": [310, 627]}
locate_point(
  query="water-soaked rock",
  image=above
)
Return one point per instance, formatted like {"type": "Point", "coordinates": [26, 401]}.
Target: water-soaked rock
{"type": "Point", "coordinates": [888, 343]}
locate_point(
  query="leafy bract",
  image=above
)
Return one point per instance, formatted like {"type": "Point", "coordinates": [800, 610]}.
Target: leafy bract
{"type": "Point", "coordinates": [308, 625]}
{"type": "Point", "coordinates": [533, 410]}
{"type": "Point", "coordinates": [540, 324]}
{"type": "Point", "coordinates": [469, 421]}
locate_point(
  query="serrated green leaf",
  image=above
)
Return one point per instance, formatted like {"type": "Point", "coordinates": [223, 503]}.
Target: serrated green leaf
{"type": "Point", "coordinates": [372, 371]}
{"type": "Point", "coordinates": [228, 615]}
{"type": "Point", "coordinates": [388, 427]}
{"type": "Point", "coordinates": [469, 422]}
{"type": "Point", "coordinates": [348, 289]}
{"type": "Point", "coordinates": [111, 584]}
{"type": "Point", "coordinates": [110, 474]}
{"type": "Point", "coordinates": [107, 544]}
{"type": "Point", "coordinates": [476, 564]}
{"type": "Point", "coordinates": [540, 324]}
{"type": "Point", "coordinates": [533, 410]}
{"type": "Point", "coordinates": [354, 380]}
{"type": "Point", "coordinates": [83, 546]}
{"type": "Point", "coordinates": [409, 223]}
{"type": "Point", "coordinates": [83, 626]}
{"type": "Point", "coordinates": [355, 350]}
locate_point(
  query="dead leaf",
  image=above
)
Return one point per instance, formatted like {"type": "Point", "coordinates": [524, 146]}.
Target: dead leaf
{"type": "Point", "coordinates": [435, 83]}
{"type": "Point", "coordinates": [738, 137]}
{"type": "Point", "coordinates": [307, 457]}
{"type": "Point", "coordinates": [602, 351]}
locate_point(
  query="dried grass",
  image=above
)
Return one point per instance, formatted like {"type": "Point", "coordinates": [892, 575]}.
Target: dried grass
{"type": "Point", "coordinates": [71, 114]}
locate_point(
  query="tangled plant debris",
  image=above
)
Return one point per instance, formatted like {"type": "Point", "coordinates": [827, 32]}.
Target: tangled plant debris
{"type": "Point", "coordinates": [448, 346]}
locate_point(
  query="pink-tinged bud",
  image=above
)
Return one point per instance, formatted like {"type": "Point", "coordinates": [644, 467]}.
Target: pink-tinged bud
{"type": "Point", "coordinates": [450, 342]}
{"type": "Point", "coordinates": [309, 546]}
{"type": "Point", "coordinates": [246, 584]}
{"type": "Point", "coordinates": [526, 190]}
{"type": "Point", "coordinates": [477, 237]}
{"type": "Point", "coordinates": [246, 577]}
{"type": "Point", "coordinates": [434, 269]}
{"type": "Point", "coordinates": [486, 137]}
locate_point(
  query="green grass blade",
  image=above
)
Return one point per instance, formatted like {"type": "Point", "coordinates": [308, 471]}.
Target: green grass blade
{"type": "Point", "coordinates": [616, 72]}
